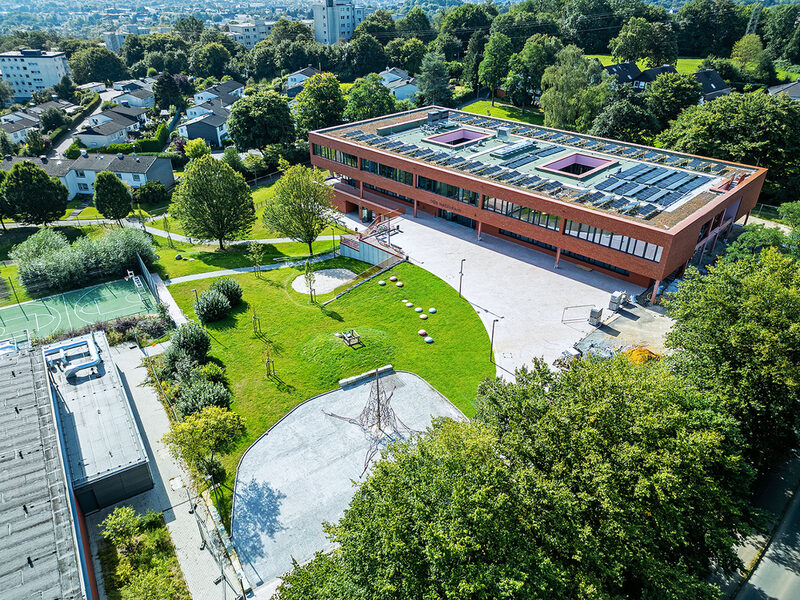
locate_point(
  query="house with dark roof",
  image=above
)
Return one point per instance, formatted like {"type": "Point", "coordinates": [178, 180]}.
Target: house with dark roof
{"type": "Point", "coordinates": [401, 85]}
{"type": "Point", "coordinates": [211, 127]}
{"type": "Point", "coordinates": [227, 92]}
{"type": "Point", "coordinates": [628, 72]}
{"type": "Point", "coordinates": [19, 129]}
{"type": "Point", "coordinates": [791, 89]}
{"type": "Point", "coordinates": [207, 117]}
{"type": "Point", "coordinates": [295, 82]}
{"type": "Point", "coordinates": [142, 98]}
{"type": "Point", "coordinates": [712, 83]}
{"type": "Point", "coordinates": [648, 76]}
{"type": "Point", "coordinates": [112, 126]}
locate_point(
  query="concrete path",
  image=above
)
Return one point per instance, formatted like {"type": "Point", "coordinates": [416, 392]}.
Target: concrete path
{"type": "Point", "coordinates": [518, 287]}
{"type": "Point", "coordinates": [175, 313]}
{"type": "Point", "coordinates": [272, 267]}
{"type": "Point", "coordinates": [200, 567]}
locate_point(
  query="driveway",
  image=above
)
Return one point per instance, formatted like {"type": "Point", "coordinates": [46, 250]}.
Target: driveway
{"type": "Point", "coordinates": [66, 141]}
{"type": "Point", "coordinates": [540, 310]}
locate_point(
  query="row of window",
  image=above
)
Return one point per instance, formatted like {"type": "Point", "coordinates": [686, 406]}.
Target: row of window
{"type": "Point", "coordinates": [449, 191]}
{"type": "Point", "coordinates": [615, 241]}
{"type": "Point", "coordinates": [370, 166]}
{"type": "Point", "coordinates": [336, 155]}
{"type": "Point", "coordinates": [375, 188]}
{"type": "Point", "coordinates": [522, 213]}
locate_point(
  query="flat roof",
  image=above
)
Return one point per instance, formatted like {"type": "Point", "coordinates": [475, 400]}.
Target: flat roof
{"type": "Point", "coordinates": [100, 434]}
{"type": "Point", "coordinates": [639, 183]}
{"type": "Point", "coordinates": [35, 514]}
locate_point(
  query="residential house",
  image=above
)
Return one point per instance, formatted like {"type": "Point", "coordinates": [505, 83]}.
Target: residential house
{"type": "Point", "coordinates": [79, 175]}
{"type": "Point", "coordinates": [297, 80]}
{"type": "Point", "coordinates": [127, 85]}
{"type": "Point", "coordinates": [211, 127]}
{"type": "Point", "coordinates": [93, 86]}
{"type": "Point", "coordinates": [401, 85]}
{"type": "Point", "coordinates": [229, 91]}
{"type": "Point", "coordinates": [112, 126]}
{"type": "Point", "coordinates": [18, 129]}
{"type": "Point", "coordinates": [141, 98]}
{"type": "Point", "coordinates": [712, 83]}
{"type": "Point", "coordinates": [790, 89]}
{"type": "Point", "coordinates": [207, 117]}
{"type": "Point", "coordinates": [628, 72]}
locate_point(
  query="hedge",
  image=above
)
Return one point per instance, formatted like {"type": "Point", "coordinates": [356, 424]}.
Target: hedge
{"type": "Point", "coordinates": [60, 132]}
{"type": "Point", "coordinates": [152, 145]}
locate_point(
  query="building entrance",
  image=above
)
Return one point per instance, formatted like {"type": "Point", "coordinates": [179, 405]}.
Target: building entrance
{"type": "Point", "coordinates": [456, 218]}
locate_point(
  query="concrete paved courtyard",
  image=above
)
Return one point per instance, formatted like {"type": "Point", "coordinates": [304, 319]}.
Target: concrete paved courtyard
{"type": "Point", "coordinates": [516, 285]}
{"type": "Point", "coordinates": [300, 472]}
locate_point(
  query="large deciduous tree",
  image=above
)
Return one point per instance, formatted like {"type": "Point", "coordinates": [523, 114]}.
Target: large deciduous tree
{"type": "Point", "coordinates": [737, 336]}
{"type": "Point", "coordinates": [320, 104]}
{"type": "Point", "coordinates": [301, 206]}
{"type": "Point", "coordinates": [203, 435]}
{"type": "Point", "coordinates": [210, 60]}
{"type": "Point", "coordinates": [433, 81]}
{"type": "Point", "coordinates": [524, 80]}
{"type": "Point", "coordinates": [625, 120]}
{"type": "Point", "coordinates": [494, 66]}
{"type": "Point", "coordinates": [654, 43]}
{"type": "Point", "coordinates": [670, 94]}
{"type": "Point", "coordinates": [32, 195]}
{"type": "Point", "coordinates": [96, 64]}
{"type": "Point", "coordinates": [260, 119]}
{"type": "Point", "coordinates": [368, 98]}
{"type": "Point", "coordinates": [167, 93]}
{"type": "Point", "coordinates": [363, 55]}
{"type": "Point", "coordinates": [112, 198]}
{"type": "Point", "coordinates": [213, 201]}
{"type": "Point", "coordinates": [756, 129]}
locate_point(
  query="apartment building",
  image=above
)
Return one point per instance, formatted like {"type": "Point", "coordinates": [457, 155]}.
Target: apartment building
{"type": "Point", "coordinates": [29, 71]}
{"type": "Point", "coordinates": [335, 20]}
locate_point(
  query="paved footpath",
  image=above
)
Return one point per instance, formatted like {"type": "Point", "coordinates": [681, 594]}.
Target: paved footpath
{"type": "Point", "coordinates": [272, 267]}
{"type": "Point", "coordinates": [200, 568]}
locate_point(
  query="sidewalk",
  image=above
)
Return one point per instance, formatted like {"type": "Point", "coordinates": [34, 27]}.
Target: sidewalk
{"type": "Point", "coordinates": [272, 267]}
{"type": "Point", "coordinates": [200, 568]}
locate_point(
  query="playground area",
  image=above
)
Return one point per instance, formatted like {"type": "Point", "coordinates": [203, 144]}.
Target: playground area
{"type": "Point", "coordinates": [300, 473]}
{"type": "Point", "coordinates": [73, 310]}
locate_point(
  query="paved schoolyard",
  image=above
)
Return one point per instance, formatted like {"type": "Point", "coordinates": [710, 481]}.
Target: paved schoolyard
{"type": "Point", "coordinates": [506, 281]}
{"type": "Point", "coordinates": [300, 473]}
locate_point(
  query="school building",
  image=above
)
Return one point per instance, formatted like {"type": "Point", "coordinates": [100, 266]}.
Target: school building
{"type": "Point", "coordinates": [634, 212]}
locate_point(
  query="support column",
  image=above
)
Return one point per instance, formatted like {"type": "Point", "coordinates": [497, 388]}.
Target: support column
{"type": "Point", "coordinates": [480, 224]}
{"type": "Point", "coordinates": [415, 208]}
{"type": "Point", "coordinates": [360, 189]}
{"type": "Point", "coordinates": [747, 216]}
{"type": "Point", "coordinates": [558, 256]}
{"type": "Point", "coordinates": [655, 291]}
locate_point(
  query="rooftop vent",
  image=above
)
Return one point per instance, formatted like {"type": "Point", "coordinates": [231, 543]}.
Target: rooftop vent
{"type": "Point", "coordinates": [84, 152]}
{"type": "Point", "coordinates": [502, 133]}
{"type": "Point", "coordinates": [42, 158]}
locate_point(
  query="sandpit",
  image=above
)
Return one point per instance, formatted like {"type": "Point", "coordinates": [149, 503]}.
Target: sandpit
{"type": "Point", "coordinates": [325, 280]}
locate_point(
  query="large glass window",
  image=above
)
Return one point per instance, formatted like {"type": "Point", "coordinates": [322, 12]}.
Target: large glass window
{"type": "Point", "coordinates": [450, 191]}
{"type": "Point", "coordinates": [615, 241]}
{"type": "Point", "coordinates": [375, 188]}
{"type": "Point", "coordinates": [335, 155]}
{"type": "Point", "coordinates": [370, 166]}
{"type": "Point", "coordinates": [523, 213]}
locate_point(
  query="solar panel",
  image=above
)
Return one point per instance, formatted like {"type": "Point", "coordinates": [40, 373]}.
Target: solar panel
{"type": "Point", "coordinates": [696, 164]}
{"type": "Point", "coordinates": [648, 211]}
{"type": "Point", "coordinates": [572, 140]}
{"type": "Point", "coordinates": [609, 184]}
{"type": "Point", "coordinates": [617, 204]}
{"type": "Point", "coordinates": [490, 170]}
{"type": "Point", "coordinates": [634, 171]}
{"type": "Point", "coordinates": [553, 185]}
{"type": "Point", "coordinates": [661, 177]}
{"type": "Point", "coordinates": [651, 175]}
{"type": "Point", "coordinates": [513, 149]}
{"type": "Point", "coordinates": [473, 166]}
{"type": "Point", "coordinates": [670, 199]}
{"type": "Point", "coordinates": [629, 151]}
{"type": "Point", "coordinates": [527, 181]}
{"type": "Point", "coordinates": [625, 188]}
{"type": "Point", "coordinates": [646, 193]}
{"type": "Point", "coordinates": [630, 207]}
{"type": "Point", "coordinates": [670, 159]}
{"type": "Point", "coordinates": [718, 168]}
{"type": "Point", "coordinates": [423, 153]}
{"type": "Point", "coordinates": [679, 182]}
{"type": "Point", "coordinates": [539, 133]}
{"type": "Point", "coordinates": [651, 155]}
{"type": "Point", "coordinates": [549, 151]}
{"type": "Point", "coordinates": [601, 201]}
{"type": "Point", "coordinates": [694, 183]}
{"type": "Point", "coordinates": [582, 197]}
{"type": "Point", "coordinates": [353, 133]}
{"type": "Point", "coordinates": [591, 143]}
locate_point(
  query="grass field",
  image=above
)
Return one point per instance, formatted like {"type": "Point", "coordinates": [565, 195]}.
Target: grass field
{"type": "Point", "coordinates": [210, 258]}
{"type": "Point", "coordinates": [505, 111]}
{"type": "Point", "coordinates": [310, 360]}
{"type": "Point", "coordinates": [684, 65]}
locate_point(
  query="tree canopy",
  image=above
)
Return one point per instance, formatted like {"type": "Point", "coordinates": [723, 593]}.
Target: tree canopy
{"type": "Point", "coordinates": [167, 93]}
{"type": "Point", "coordinates": [97, 64]}
{"type": "Point", "coordinates": [368, 98]}
{"type": "Point", "coordinates": [112, 198]}
{"type": "Point", "coordinates": [260, 119]}
{"type": "Point", "coordinates": [433, 82]}
{"type": "Point", "coordinates": [670, 94]}
{"type": "Point", "coordinates": [494, 66]}
{"type": "Point", "coordinates": [33, 196]}
{"type": "Point", "coordinates": [320, 103]}
{"type": "Point", "coordinates": [207, 433]}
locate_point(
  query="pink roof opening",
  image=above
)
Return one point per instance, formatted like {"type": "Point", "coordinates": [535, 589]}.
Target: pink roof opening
{"type": "Point", "coordinates": [458, 138]}
{"type": "Point", "coordinates": [578, 165]}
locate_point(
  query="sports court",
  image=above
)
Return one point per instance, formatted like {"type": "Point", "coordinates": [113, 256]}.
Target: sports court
{"type": "Point", "coordinates": [73, 310]}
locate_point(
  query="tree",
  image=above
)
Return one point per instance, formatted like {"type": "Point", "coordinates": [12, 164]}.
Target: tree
{"type": "Point", "coordinates": [231, 157]}
{"type": "Point", "coordinates": [756, 129]}
{"type": "Point", "coordinates": [6, 211]}
{"type": "Point", "coordinates": [368, 98]}
{"type": "Point", "coordinates": [320, 104]}
{"type": "Point", "coordinates": [210, 432]}
{"type": "Point", "coordinates": [448, 45]}
{"type": "Point", "coordinates": [301, 206]}
{"type": "Point", "coordinates": [6, 145]}
{"type": "Point", "coordinates": [65, 89]}
{"type": "Point", "coordinates": [97, 64]}
{"type": "Point", "coordinates": [35, 143]}
{"type": "Point", "coordinates": [213, 201]}
{"type": "Point", "coordinates": [152, 193]}
{"type": "Point", "coordinates": [379, 24]}
{"type": "Point", "coordinates": [112, 198]}
{"type": "Point", "coordinates": [654, 43]}
{"type": "Point", "coordinates": [731, 347]}
{"type": "Point", "coordinates": [6, 93]}
{"type": "Point", "coordinates": [210, 60]}
{"type": "Point", "coordinates": [121, 526]}
{"type": "Point", "coordinates": [465, 19]}
{"type": "Point", "coordinates": [364, 55]}
{"type": "Point", "coordinates": [260, 119]}
{"type": "Point", "coordinates": [472, 60]}
{"type": "Point", "coordinates": [575, 89]}
{"type": "Point", "coordinates": [261, 61]}
{"type": "Point", "coordinates": [406, 53]}
{"type": "Point", "coordinates": [415, 24]}
{"type": "Point", "coordinates": [196, 148]}
{"type": "Point", "coordinates": [433, 82]}
{"type": "Point", "coordinates": [310, 279]}
{"type": "Point", "coordinates": [51, 118]}
{"type": "Point", "coordinates": [670, 94]}
{"type": "Point", "coordinates": [779, 27]}
{"type": "Point", "coordinates": [189, 28]}
{"type": "Point", "coordinates": [709, 26]}
{"type": "Point", "coordinates": [526, 68]}
{"type": "Point", "coordinates": [32, 195]}
{"type": "Point", "coordinates": [590, 24]}
{"type": "Point", "coordinates": [167, 93]}
{"type": "Point", "coordinates": [626, 121]}
{"type": "Point", "coordinates": [752, 61]}
{"type": "Point", "coordinates": [494, 66]}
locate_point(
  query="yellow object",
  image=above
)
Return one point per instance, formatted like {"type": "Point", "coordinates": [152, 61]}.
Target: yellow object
{"type": "Point", "coordinates": [640, 356]}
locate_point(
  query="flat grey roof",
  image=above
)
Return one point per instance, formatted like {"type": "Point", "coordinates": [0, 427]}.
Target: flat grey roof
{"type": "Point", "coordinates": [97, 423]}
{"type": "Point", "coordinates": [35, 515]}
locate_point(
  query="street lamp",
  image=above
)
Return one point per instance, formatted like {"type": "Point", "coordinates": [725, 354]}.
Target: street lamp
{"type": "Point", "coordinates": [491, 343]}
{"type": "Point", "coordinates": [461, 276]}
{"type": "Point", "coordinates": [197, 299]}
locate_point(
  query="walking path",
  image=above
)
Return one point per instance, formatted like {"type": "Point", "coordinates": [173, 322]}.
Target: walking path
{"type": "Point", "coordinates": [200, 567]}
{"type": "Point", "coordinates": [272, 267]}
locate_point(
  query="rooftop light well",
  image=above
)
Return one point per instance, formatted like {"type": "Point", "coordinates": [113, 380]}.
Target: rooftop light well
{"type": "Point", "coordinates": [458, 138]}
{"type": "Point", "coordinates": [578, 165]}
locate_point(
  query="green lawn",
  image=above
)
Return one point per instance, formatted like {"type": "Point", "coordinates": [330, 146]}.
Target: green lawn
{"type": "Point", "coordinates": [686, 66]}
{"type": "Point", "coordinates": [90, 212]}
{"type": "Point", "coordinates": [211, 258]}
{"type": "Point", "coordinates": [308, 358]}
{"type": "Point", "coordinates": [505, 111]}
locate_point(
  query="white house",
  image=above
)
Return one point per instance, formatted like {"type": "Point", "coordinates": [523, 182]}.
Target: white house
{"type": "Point", "coordinates": [227, 91]}
{"type": "Point", "coordinates": [401, 85]}
{"type": "Point", "coordinates": [141, 98]}
{"type": "Point", "coordinates": [28, 71]}
{"type": "Point", "coordinates": [250, 33]}
{"type": "Point", "coordinates": [297, 80]}
{"type": "Point", "coordinates": [111, 126]}
{"type": "Point", "coordinates": [336, 20]}
{"type": "Point", "coordinates": [92, 86]}
{"type": "Point", "coordinates": [18, 129]}
{"type": "Point", "coordinates": [207, 117]}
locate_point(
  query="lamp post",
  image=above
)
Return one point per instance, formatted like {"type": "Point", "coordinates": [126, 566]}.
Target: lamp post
{"type": "Point", "coordinates": [210, 479]}
{"type": "Point", "coordinates": [197, 299]}
{"type": "Point", "coordinates": [461, 276]}
{"type": "Point", "coordinates": [491, 343]}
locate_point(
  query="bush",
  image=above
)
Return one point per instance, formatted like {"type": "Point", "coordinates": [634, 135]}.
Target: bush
{"type": "Point", "coordinates": [121, 526]}
{"type": "Point", "coordinates": [193, 340]}
{"type": "Point", "coordinates": [176, 361]}
{"type": "Point", "coordinates": [201, 393]}
{"type": "Point", "coordinates": [212, 466]}
{"type": "Point", "coordinates": [73, 152]}
{"type": "Point", "coordinates": [229, 288]}
{"type": "Point", "coordinates": [213, 372]}
{"type": "Point", "coordinates": [211, 306]}
{"type": "Point", "coordinates": [152, 520]}
{"type": "Point", "coordinates": [152, 193]}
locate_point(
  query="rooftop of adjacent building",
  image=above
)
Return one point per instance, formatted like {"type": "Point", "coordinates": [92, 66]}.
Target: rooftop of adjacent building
{"type": "Point", "coordinates": [99, 431]}
{"type": "Point", "coordinates": [31, 53]}
{"type": "Point", "coordinates": [648, 185]}
{"type": "Point", "coordinates": [38, 555]}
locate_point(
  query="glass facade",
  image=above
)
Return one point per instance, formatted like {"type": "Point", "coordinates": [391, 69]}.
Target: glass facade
{"type": "Point", "coordinates": [529, 240]}
{"type": "Point", "coordinates": [447, 190]}
{"type": "Point", "coordinates": [375, 188]}
{"type": "Point", "coordinates": [398, 175]}
{"type": "Point", "coordinates": [615, 241]}
{"type": "Point", "coordinates": [335, 155]}
{"type": "Point", "coordinates": [522, 213]}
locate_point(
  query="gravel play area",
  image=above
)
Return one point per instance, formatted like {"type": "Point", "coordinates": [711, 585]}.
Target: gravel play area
{"type": "Point", "coordinates": [325, 280]}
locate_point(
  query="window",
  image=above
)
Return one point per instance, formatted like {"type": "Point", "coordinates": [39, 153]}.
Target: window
{"type": "Point", "coordinates": [389, 172]}
{"type": "Point", "coordinates": [449, 191]}
{"type": "Point", "coordinates": [386, 192]}
{"type": "Point", "coordinates": [522, 213]}
{"type": "Point", "coordinates": [83, 187]}
{"type": "Point", "coordinates": [615, 241]}
{"type": "Point", "coordinates": [336, 155]}
{"type": "Point", "coordinates": [80, 174]}
{"type": "Point", "coordinates": [137, 177]}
